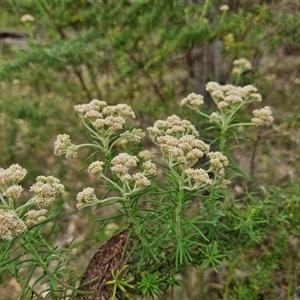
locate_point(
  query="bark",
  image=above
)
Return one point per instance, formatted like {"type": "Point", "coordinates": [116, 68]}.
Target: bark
{"type": "Point", "coordinates": [109, 257]}
{"type": "Point", "coordinates": [204, 63]}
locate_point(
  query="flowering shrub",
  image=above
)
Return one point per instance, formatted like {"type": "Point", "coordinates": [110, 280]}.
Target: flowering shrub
{"type": "Point", "coordinates": [155, 193]}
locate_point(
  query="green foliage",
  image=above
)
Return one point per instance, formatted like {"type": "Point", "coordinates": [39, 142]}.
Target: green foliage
{"type": "Point", "coordinates": [165, 237]}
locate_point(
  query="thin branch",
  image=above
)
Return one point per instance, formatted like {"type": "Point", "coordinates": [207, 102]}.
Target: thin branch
{"type": "Point", "coordinates": [80, 78]}
{"type": "Point", "coordinates": [153, 84]}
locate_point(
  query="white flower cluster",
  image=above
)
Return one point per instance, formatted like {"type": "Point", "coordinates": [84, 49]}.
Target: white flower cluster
{"type": "Point", "coordinates": [241, 65]}
{"type": "Point", "coordinates": [94, 105]}
{"type": "Point", "coordinates": [181, 148]}
{"type": "Point", "coordinates": [64, 146]}
{"type": "Point", "coordinates": [104, 117]}
{"type": "Point", "coordinates": [84, 197]}
{"type": "Point", "coordinates": [149, 168]}
{"type": "Point", "coordinates": [172, 126]}
{"type": "Point", "coordinates": [27, 18]}
{"type": "Point", "coordinates": [146, 154]}
{"type": "Point", "coordinates": [12, 175]}
{"type": "Point", "coordinates": [121, 165]}
{"type": "Point", "coordinates": [13, 192]}
{"type": "Point", "coordinates": [10, 224]}
{"type": "Point", "coordinates": [197, 178]}
{"type": "Point", "coordinates": [133, 136]}
{"type": "Point", "coordinates": [35, 216]}
{"type": "Point", "coordinates": [192, 100]}
{"type": "Point", "coordinates": [46, 188]}
{"type": "Point", "coordinates": [184, 150]}
{"type": "Point", "coordinates": [178, 141]}
{"type": "Point", "coordinates": [228, 96]}
{"type": "Point", "coordinates": [262, 116]}
{"type": "Point", "coordinates": [96, 167]}
{"type": "Point", "coordinates": [218, 163]}
{"type": "Point", "coordinates": [224, 7]}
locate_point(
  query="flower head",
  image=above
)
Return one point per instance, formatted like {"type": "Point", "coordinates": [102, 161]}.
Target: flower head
{"type": "Point", "coordinates": [96, 167]}
{"type": "Point", "coordinates": [197, 178]}
{"type": "Point", "coordinates": [224, 7]}
{"type": "Point", "coordinates": [122, 163]}
{"type": "Point", "coordinates": [212, 86]}
{"type": "Point", "coordinates": [228, 96]}
{"type": "Point", "coordinates": [215, 117]}
{"type": "Point", "coordinates": [93, 115]}
{"type": "Point", "coordinates": [218, 162]}
{"type": "Point", "coordinates": [241, 65]}
{"type": "Point", "coordinates": [63, 146]}
{"type": "Point", "coordinates": [149, 168]}
{"type": "Point", "coordinates": [114, 123]}
{"type": "Point", "coordinates": [27, 18]}
{"type": "Point", "coordinates": [140, 180]}
{"type": "Point", "coordinates": [192, 100]}
{"type": "Point", "coordinates": [35, 216]}
{"type": "Point", "coordinates": [90, 108]}
{"type": "Point", "coordinates": [133, 136]}
{"type": "Point", "coordinates": [13, 191]}
{"type": "Point", "coordinates": [45, 188]}
{"type": "Point", "coordinates": [145, 154]}
{"type": "Point", "coordinates": [184, 150]}
{"type": "Point", "coordinates": [262, 116]}
{"type": "Point", "coordinates": [173, 126]}
{"type": "Point", "coordinates": [84, 197]}
{"type": "Point", "coordinates": [10, 224]}
{"type": "Point", "coordinates": [103, 117]}
{"type": "Point", "coordinates": [256, 97]}
{"type": "Point", "coordinates": [14, 174]}
{"type": "Point", "coordinates": [72, 152]}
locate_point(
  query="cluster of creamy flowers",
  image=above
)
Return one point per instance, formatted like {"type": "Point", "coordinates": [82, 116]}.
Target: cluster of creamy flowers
{"type": "Point", "coordinates": [96, 167]}
{"type": "Point", "coordinates": [133, 136]}
{"type": "Point", "coordinates": [146, 154]}
{"type": "Point", "coordinates": [225, 96]}
{"type": "Point", "coordinates": [180, 146]}
{"type": "Point", "coordinates": [172, 126]}
{"type": "Point", "coordinates": [229, 99]}
{"type": "Point", "coordinates": [262, 116]}
{"type": "Point", "coordinates": [123, 163]}
{"type": "Point", "coordinates": [218, 162]}
{"type": "Point", "coordinates": [64, 146]}
{"type": "Point", "coordinates": [13, 192]}
{"type": "Point", "coordinates": [104, 121]}
{"type": "Point", "coordinates": [228, 96]}
{"type": "Point", "coordinates": [103, 117]}
{"type": "Point", "coordinates": [8, 181]}
{"type": "Point", "coordinates": [241, 65]}
{"type": "Point", "coordinates": [10, 224]}
{"type": "Point", "coordinates": [149, 168]}
{"type": "Point", "coordinates": [86, 196]}
{"type": "Point", "coordinates": [121, 166]}
{"type": "Point", "coordinates": [224, 7]}
{"type": "Point", "coordinates": [178, 141]}
{"type": "Point", "coordinates": [197, 178]}
{"type": "Point", "coordinates": [27, 18]}
{"type": "Point", "coordinates": [12, 175]}
{"type": "Point", "coordinates": [185, 150]}
{"type": "Point", "coordinates": [45, 189]}
{"type": "Point", "coordinates": [35, 216]}
{"type": "Point", "coordinates": [193, 100]}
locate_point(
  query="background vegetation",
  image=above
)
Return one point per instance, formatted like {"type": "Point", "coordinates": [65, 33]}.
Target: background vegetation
{"type": "Point", "coordinates": [147, 54]}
